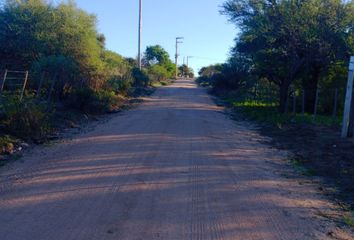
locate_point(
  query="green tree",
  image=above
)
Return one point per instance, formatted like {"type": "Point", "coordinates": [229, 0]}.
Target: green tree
{"type": "Point", "coordinates": [33, 30]}
{"type": "Point", "coordinates": [158, 63]}
{"type": "Point", "coordinates": [156, 55]}
{"type": "Point", "coordinates": [158, 73]}
{"type": "Point", "coordinates": [115, 64]}
{"type": "Point", "coordinates": [292, 40]}
{"type": "Point", "coordinates": [185, 71]}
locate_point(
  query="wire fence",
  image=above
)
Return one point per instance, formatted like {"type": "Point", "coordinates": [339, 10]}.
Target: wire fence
{"type": "Point", "coordinates": [14, 81]}
{"type": "Point", "coordinates": [327, 102]}
{"type": "Point", "coordinates": [321, 101]}
{"type": "Point", "coordinates": [20, 83]}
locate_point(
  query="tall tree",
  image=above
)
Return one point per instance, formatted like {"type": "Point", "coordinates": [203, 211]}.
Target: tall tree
{"type": "Point", "coordinates": [287, 38]}
{"type": "Point", "coordinates": [158, 62]}
{"type": "Point", "coordinates": [34, 30]}
{"type": "Point", "coordinates": [156, 55]}
{"type": "Point", "coordinates": [186, 71]}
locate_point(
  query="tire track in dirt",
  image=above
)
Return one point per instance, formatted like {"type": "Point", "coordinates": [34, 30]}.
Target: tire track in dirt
{"type": "Point", "coordinates": [282, 228]}
{"type": "Point", "coordinates": [204, 223]}
{"type": "Point", "coordinates": [113, 195]}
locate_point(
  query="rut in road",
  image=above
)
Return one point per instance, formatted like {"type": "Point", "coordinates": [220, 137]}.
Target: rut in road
{"type": "Point", "coordinates": [176, 167]}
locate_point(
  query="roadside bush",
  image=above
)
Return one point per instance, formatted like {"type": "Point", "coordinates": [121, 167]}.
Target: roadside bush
{"type": "Point", "coordinates": [119, 85]}
{"type": "Point", "coordinates": [27, 119]}
{"type": "Point", "coordinates": [204, 81]}
{"type": "Point", "coordinates": [141, 78]}
{"type": "Point", "coordinates": [158, 73]}
{"type": "Point", "coordinates": [92, 101]}
{"type": "Point", "coordinates": [7, 144]}
{"type": "Point", "coordinates": [60, 67]}
{"type": "Point", "coordinates": [67, 60]}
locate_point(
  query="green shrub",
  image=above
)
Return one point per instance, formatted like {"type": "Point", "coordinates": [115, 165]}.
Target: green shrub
{"type": "Point", "coordinates": [141, 78]}
{"type": "Point", "coordinates": [92, 101]}
{"type": "Point", "coordinates": [119, 85]}
{"type": "Point", "coordinates": [27, 119]}
{"type": "Point", "coordinates": [61, 69]}
{"type": "Point", "coordinates": [7, 144]}
{"type": "Point", "coordinates": [204, 81]}
{"type": "Point", "coordinates": [269, 114]}
{"type": "Point", "coordinates": [158, 73]}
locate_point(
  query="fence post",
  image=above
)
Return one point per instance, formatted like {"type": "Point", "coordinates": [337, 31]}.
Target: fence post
{"type": "Point", "coordinates": [24, 86]}
{"type": "Point", "coordinates": [303, 103]}
{"type": "Point", "coordinates": [40, 85]}
{"type": "Point", "coordinates": [316, 104]}
{"type": "Point", "coordinates": [255, 95]}
{"type": "Point", "coordinates": [270, 97]}
{"type": "Point", "coordinates": [335, 103]}
{"type": "Point", "coordinates": [52, 87]}
{"type": "Point", "coordinates": [287, 102]}
{"type": "Point", "coordinates": [294, 102]}
{"type": "Point", "coordinates": [348, 100]}
{"type": "Point", "coordinates": [3, 81]}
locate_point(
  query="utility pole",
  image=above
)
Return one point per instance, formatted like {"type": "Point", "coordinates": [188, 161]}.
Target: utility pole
{"type": "Point", "coordinates": [347, 126]}
{"type": "Point", "coordinates": [140, 32]}
{"type": "Point", "coordinates": [178, 40]}
{"type": "Point", "coordinates": [188, 57]}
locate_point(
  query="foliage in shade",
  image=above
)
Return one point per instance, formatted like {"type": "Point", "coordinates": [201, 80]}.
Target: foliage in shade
{"type": "Point", "coordinates": [185, 71]}
{"type": "Point", "coordinates": [289, 43]}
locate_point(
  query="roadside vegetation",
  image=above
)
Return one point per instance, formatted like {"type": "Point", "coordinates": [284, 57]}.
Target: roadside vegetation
{"type": "Point", "coordinates": [287, 71]}
{"type": "Point", "coordinates": [284, 47]}
{"type": "Point", "coordinates": [289, 63]}
{"type": "Point", "coordinates": [71, 74]}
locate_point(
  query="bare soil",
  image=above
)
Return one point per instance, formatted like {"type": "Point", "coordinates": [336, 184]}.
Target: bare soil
{"type": "Point", "coordinates": [323, 153]}
{"type": "Point", "coordinates": [176, 167]}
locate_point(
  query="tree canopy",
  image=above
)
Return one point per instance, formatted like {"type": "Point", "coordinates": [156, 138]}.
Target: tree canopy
{"type": "Point", "coordinates": [158, 63]}
{"type": "Point", "coordinates": [34, 30]}
{"type": "Point", "coordinates": [290, 40]}
{"type": "Point", "coordinates": [186, 71]}
{"type": "Point", "coordinates": [156, 55]}
{"type": "Point", "coordinates": [62, 40]}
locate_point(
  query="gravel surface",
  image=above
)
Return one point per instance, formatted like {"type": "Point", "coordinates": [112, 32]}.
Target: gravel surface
{"type": "Point", "coordinates": [175, 167]}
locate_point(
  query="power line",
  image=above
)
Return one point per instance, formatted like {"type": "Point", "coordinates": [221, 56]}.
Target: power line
{"type": "Point", "coordinates": [206, 58]}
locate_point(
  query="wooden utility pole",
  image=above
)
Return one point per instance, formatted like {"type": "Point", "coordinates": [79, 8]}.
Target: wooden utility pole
{"type": "Point", "coordinates": [140, 32]}
{"type": "Point", "coordinates": [178, 41]}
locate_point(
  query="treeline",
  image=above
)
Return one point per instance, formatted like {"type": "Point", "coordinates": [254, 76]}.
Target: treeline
{"type": "Point", "coordinates": [68, 63]}
{"type": "Point", "coordinates": [286, 44]}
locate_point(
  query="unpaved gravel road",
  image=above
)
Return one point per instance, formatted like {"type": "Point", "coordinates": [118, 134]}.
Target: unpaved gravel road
{"type": "Point", "coordinates": [176, 167]}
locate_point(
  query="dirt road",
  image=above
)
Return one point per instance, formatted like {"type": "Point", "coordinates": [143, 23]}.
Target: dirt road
{"type": "Point", "coordinates": [174, 168]}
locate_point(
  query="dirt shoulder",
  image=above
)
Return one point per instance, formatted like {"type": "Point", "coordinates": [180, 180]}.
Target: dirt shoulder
{"type": "Point", "coordinates": [317, 153]}
{"type": "Point", "coordinates": [66, 123]}
{"type": "Point", "coordinates": [322, 152]}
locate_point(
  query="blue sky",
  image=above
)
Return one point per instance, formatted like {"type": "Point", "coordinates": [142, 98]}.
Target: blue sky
{"type": "Point", "coordinates": [208, 35]}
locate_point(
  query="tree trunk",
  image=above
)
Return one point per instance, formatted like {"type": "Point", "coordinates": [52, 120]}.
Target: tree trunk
{"type": "Point", "coordinates": [284, 97]}
{"type": "Point", "coordinates": [310, 87]}
{"type": "Point", "coordinates": [285, 83]}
